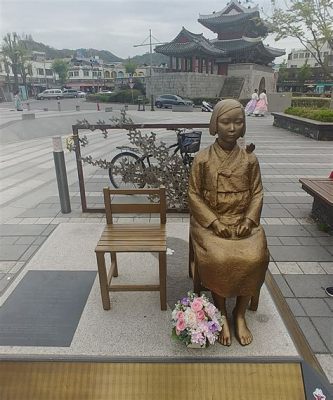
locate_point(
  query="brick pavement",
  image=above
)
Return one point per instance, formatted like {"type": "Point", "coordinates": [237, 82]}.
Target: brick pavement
{"type": "Point", "coordinates": [302, 255]}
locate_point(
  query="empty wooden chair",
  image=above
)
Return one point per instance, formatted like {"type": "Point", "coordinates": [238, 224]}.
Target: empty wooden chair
{"type": "Point", "coordinates": [134, 237]}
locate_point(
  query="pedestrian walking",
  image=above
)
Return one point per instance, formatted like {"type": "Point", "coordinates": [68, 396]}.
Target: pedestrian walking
{"type": "Point", "coordinates": [17, 101]}
{"type": "Point", "coordinates": [261, 106]}
{"type": "Point", "coordinates": [251, 105]}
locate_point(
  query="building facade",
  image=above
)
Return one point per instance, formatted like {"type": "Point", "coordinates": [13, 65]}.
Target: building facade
{"type": "Point", "coordinates": [93, 74]}
{"type": "Point", "coordinates": [89, 75]}
{"type": "Point", "coordinates": [38, 76]}
{"type": "Point", "coordinates": [298, 57]}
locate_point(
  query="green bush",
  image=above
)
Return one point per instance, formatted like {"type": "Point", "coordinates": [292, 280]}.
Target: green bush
{"type": "Point", "coordinates": [310, 94]}
{"type": "Point", "coordinates": [322, 115]}
{"type": "Point", "coordinates": [99, 98]}
{"type": "Point", "coordinates": [311, 102]}
{"type": "Point", "coordinates": [123, 96]}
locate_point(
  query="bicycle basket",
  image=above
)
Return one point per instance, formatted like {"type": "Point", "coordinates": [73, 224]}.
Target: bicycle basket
{"type": "Point", "coordinates": [190, 141]}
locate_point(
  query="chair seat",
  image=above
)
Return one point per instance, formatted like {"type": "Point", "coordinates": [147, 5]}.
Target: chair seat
{"type": "Point", "coordinates": [132, 238]}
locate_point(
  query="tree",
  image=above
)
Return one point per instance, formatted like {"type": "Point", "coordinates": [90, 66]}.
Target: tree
{"type": "Point", "coordinates": [130, 67]}
{"type": "Point", "coordinates": [309, 21]}
{"type": "Point", "coordinates": [15, 54]}
{"type": "Point", "coordinates": [304, 72]}
{"type": "Point", "coordinates": [61, 67]}
{"type": "Point", "coordinates": [23, 65]}
{"type": "Point", "coordinates": [283, 72]}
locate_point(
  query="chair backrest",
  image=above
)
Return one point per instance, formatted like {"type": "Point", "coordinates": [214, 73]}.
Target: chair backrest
{"type": "Point", "coordinates": [125, 208]}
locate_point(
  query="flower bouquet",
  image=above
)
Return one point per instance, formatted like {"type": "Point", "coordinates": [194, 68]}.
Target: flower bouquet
{"type": "Point", "coordinates": [196, 321]}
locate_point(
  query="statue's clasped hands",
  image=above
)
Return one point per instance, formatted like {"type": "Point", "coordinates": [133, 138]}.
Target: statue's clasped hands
{"type": "Point", "coordinates": [242, 230]}
{"type": "Point", "coordinates": [220, 229]}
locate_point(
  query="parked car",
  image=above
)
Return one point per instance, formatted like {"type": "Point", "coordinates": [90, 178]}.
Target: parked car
{"type": "Point", "coordinates": [80, 93]}
{"type": "Point", "coordinates": [168, 100]}
{"type": "Point", "coordinates": [50, 94]}
{"type": "Point", "coordinates": [70, 93]}
{"type": "Point", "coordinates": [105, 92]}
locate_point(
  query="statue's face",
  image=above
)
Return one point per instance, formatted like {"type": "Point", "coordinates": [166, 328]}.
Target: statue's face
{"type": "Point", "coordinates": [230, 126]}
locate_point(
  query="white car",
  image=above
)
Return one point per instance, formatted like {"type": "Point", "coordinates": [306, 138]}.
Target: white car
{"type": "Point", "coordinates": [81, 94]}
{"type": "Point", "coordinates": [51, 94]}
{"type": "Point", "coordinates": [105, 92]}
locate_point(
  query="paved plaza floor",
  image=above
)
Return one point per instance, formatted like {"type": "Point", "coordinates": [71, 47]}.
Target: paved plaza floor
{"type": "Point", "coordinates": [36, 236]}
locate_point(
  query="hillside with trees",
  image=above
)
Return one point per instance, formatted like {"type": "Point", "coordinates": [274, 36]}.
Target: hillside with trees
{"type": "Point", "coordinates": [105, 55]}
{"type": "Point", "coordinates": [52, 53]}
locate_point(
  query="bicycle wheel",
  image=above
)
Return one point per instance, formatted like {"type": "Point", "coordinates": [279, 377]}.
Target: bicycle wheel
{"type": "Point", "coordinates": [127, 171]}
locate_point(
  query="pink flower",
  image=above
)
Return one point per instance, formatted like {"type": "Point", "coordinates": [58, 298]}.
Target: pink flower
{"type": "Point", "coordinates": [200, 315]}
{"type": "Point", "coordinates": [180, 315]}
{"type": "Point", "coordinates": [180, 325]}
{"type": "Point", "coordinates": [211, 310]}
{"type": "Point", "coordinates": [196, 304]}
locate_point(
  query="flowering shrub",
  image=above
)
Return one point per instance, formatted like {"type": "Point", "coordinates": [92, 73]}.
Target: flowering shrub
{"type": "Point", "coordinates": [196, 321]}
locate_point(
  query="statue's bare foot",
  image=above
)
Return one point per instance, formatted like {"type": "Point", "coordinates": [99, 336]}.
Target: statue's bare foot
{"type": "Point", "coordinates": [225, 334]}
{"type": "Point", "coordinates": [242, 332]}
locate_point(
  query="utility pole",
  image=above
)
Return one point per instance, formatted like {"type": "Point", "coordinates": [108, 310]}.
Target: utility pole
{"type": "Point", "coordinates": [150, 44]}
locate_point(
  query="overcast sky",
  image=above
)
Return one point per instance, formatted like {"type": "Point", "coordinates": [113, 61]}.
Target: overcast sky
{"type": "Point", "coordinates": [114, 25]}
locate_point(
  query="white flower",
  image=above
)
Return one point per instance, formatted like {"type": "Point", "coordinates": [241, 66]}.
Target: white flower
{"type": "Point", "coordinates": [190, 318]}
{"type": "Point", "coordinates": [174, 314]}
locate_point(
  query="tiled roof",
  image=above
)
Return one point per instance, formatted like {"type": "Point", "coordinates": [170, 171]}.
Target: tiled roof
{"type": "Point", "coordinates": [226, 10]}
{"type": "Point", "coordinates": [243, 45]}
{"type": "Point", "coordinates": [228, 19]}
{"type": "Point", "coordinates": [187, 43]}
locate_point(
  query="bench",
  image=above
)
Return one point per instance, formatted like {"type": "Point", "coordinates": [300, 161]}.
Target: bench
{"type": "Point", "coordinates": [321, 189]}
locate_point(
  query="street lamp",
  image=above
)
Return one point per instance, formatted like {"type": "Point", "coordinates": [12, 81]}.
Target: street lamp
{"type": "Point", "coordinates": [150, 44]}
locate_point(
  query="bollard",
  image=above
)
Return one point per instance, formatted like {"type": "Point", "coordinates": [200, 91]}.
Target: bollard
{"type": "Point", "coordinates": [59, 106]}
{"type": "Point", "coordinates": [60, 168]}
{"type": "Point", "coordinates": [97, 106]}
{"type": "Point", "coordinates": [77, 108]}
{"type": "Point", "coordinates": [28, 106]}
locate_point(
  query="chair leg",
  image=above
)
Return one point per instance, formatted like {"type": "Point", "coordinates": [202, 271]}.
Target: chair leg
{"type": "Point", "coordinates": [162, 274]}
{"type": "Point", "coordinates": [196, 279]}
{"type": "Point", "coordinates": [254, 302]}
{"type": "Point", "coordinates": [190, 257]}
{"type": "Point", "coordinates": [103, 280]}
{"type": "Point", "coordinates": [114, 262]}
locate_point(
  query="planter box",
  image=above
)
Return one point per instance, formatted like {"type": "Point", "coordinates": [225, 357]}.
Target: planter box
{"type": "Point", "coordinates": [28, 116]}
{"type": "Point", "coordinates": [182, 108]}
{"type": "Point", "coordinates": [314, 129]}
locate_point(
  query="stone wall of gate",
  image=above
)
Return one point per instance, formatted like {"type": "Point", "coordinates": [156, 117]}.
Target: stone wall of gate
{"type": "Point", "coordinates": [255, 77]}
{"type": "Point", "coordinates": [185, 84]}
{"type": "Point", "coordinates": [194, 84]}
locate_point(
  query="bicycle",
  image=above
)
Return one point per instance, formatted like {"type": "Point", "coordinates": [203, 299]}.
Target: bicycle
{"type": "Point", "coordinates": [130, 162]}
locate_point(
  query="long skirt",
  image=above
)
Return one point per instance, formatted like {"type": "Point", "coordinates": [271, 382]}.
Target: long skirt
{"type": "Point", "coordinates": [250, 106]}
{"type": "Point", "coordinates": [230, 267]}
{"type": "Point", "coordinates": [261, 107]}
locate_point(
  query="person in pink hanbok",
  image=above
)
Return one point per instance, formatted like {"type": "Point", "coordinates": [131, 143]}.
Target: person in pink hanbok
{"type": "Point", "coordinates": [251, 105]}
{"type": "Point", "coordinates": [261, 106]}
